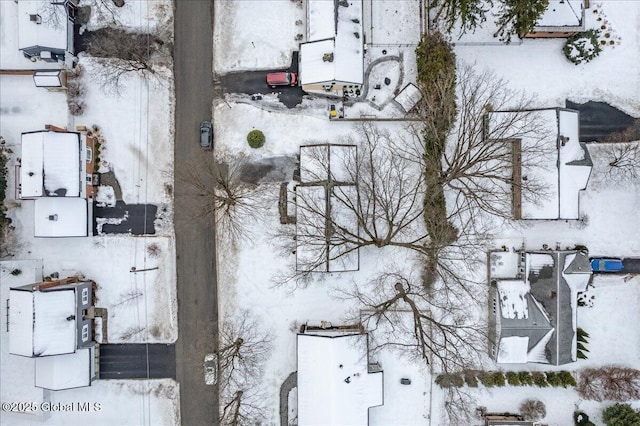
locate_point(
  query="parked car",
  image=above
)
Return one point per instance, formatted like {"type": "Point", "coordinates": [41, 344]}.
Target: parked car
{"type": "Point", "coordinates": [606, 265]}
{"type": "Point", "coordinates": [206, 135]}
{"type": "Point", "coordinates": [282, 79]}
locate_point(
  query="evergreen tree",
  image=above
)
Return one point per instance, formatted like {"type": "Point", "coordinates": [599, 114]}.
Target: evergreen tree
{"type": "Point", "coordinates": [621, 415]}
{"type": "Point", "coordinates": [468, 13]}
{"type": "Point", "coordinates": [518, 17]}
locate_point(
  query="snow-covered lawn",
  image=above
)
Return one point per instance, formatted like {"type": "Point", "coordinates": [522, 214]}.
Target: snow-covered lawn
{"type": "Point", "coordinates": [540, 67]}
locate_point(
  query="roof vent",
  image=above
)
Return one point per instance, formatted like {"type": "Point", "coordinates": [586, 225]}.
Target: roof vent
{"type": "Point", "coordinates": [327, 57]}
{"type": "Point", "coordinates": [53, 217]}
{"type": "Point", "coordinates": [35, 18]}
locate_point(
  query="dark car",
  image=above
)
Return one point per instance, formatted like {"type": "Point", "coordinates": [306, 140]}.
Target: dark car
{"type": "Point", "coordinates": [606, 265]}
{"type": "Point", "coordinates": [206, 135]}
{"type": "Point", "coordinates": [282, 79]}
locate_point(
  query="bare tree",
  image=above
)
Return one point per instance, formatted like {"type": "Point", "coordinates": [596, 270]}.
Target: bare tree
{"type": "Point", "coordinates": [623, 161]}
{"type": "Point", "coordinates": [240, 357]}
{"type": "Point", "coordinates": [609, 383]}
{"type": "Point", "coordinates": [432, 325]}
{"type": "Point", "coordinates": [119, 53]}
{"type": "Point", "coordinates": [220, 190]}
{"type": "Point", "coordinates": [533, 409]}
{"type": "Point", "coordinates": [380, 205]}
{"type": "Point", "coordinates": [478, 161]}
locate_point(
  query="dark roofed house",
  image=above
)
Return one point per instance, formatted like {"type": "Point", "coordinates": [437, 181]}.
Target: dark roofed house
{"type": "Point", "coordinates": [533, 312]}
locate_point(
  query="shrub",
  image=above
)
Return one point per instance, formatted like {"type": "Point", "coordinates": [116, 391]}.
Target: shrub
{"type": "Point", "coordinates": [486, 379]}
{"type": "Point", "coordinates": [470, 378]}
{"type": "Point", "coordinates": [498, 378]}
{"type": "Point", "coordinates": [525, 378]}
{"type": "Point", "coordinates": [539, 379]}
{"type": "Point", "coordinates": [566, 378]}
{"type": "Point", "coordinates": [450, 380]}
{"type": "Point", "coordinates": [256, 139]}
{"type": "Point", "coordinates": [582, 47]}
{"type": "Point", "coordinates": [533, 409]}
{"type": "Point", "coordinates": [553, 379]}
{"type": "Point", "coordinates": [582, 336]}
{"type": "Point", "coordinates": [512, 378]}
{"type": "Point", "coordinates": [620, 415]}
{"type": "Point", "coordinates": [581, 419]}
{"type": "Point", "coordinates": [435, 58]}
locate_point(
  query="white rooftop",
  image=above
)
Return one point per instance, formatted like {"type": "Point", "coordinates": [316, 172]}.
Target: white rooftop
{"type": "Point", "coordinates": [61, 217]}
{"type": "Point", "coordinates": [47, 78]}
{"type": "Point", "coordinates": [45, 34]}
{"type": "Point", "coordinates": [563, 182]}
{"type": "Point", "coordinates": [65, 371]}
{"type": "Point", "coordinates": [513, 350]}
{"type": "Point", "coordinates": [334, 385]}
{"type": "Point", "coordinates": [51, 161]}
{"type": "Point", "coordinates": [561, 13]}
{"type": "Point", "coordinates": [344, 41]}
{"type": "Point", "coordinates": [321, 19]}
{"type": "Point", "coordinates": [38, 322]}
{"type": "Point", "coordinates": [321, 162]}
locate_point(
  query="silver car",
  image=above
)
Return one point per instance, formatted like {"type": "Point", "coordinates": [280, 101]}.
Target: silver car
{"type": "Point", "coordinates": [206, 135]}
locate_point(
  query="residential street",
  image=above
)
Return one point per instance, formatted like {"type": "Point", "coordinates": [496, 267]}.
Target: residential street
{"type": "Point", "coordinates": [195, 248]}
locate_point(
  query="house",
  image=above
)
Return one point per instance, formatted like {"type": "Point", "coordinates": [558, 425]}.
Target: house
{"type": "Point", "coordinates": [321, 195]}
{"type": "Point", "coordinates": [561, 19]}
{"type": "Point", "coordinates": [46, 29]}
{"type": "Point", "coordinates": [533, 305]}
{"type": "Point", "coordinates": [505, 419]}
{"type": "Point", "coordinates": [332, 59]}
{"type": "Point", "coordinates": [55, 172]}
{"type": "Point", "coordinates": [336, 382]}
{"type": "Point", "coordinates": [52, 322]}
{"type": "Point", "coordinates": [561, 170]}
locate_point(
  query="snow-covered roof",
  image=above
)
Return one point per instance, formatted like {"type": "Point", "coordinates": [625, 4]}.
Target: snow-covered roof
{"type": "Point", "coordinates": [321, 19]}
{"type": "Point", "coordinates": [38, 322]}
{"type": "Point", "coordinates": [563, 172]}
{"type": "Point", "coordinates": [513, 350]}
{"type": "Point", "coordinates": [409, 97]}
{"type": "Point", "coordinates": [541, 306]}
{"type": "Point", "coordinates": [61, 217]}
{"type": "Point", "coordinates": [326, 186]}
{"type": "Point", "coordinates": [561, 13]}
{"type": "Point", "coordinates": [504, 264]}
{"type": "Point", "coordinates": [320, 163]}
{"type": "Point", "coordinates": [342, 39]}
{"type": "Point", "coordinates": [334, 384]}
{"type": "Point", "coordinates": [47, 78]}
{"type": "Point", "coordinates": [51, 164]}
{"type": "Point", "coordinates": [513, 301]}
{"type": "Point", "coordinates": [45, 34]}
{"type": "Point", "coordinates": [65, 371]}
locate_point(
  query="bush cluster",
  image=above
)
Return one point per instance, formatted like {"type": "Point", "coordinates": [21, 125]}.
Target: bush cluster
{"type": "Point", "coordinates": [512, 378]}
{"type": "Point", "coordinates": [582, 47]}
{"type": "Point", "coordinates": [256, 139]}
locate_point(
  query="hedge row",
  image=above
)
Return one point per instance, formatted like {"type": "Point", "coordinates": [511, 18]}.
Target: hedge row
{"type": "Point", "coordinates": [513, 378]}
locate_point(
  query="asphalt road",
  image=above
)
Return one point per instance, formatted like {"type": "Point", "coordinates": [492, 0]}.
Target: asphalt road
{"type": "Point", "coordinates": [137, 361]}
{"type": "Point", "coordinates": [195, 248]}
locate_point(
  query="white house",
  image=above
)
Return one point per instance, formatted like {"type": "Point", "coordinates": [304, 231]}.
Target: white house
{"type": "Point", "coordinates": [554, 158]}
{"type": "Point", "coordinates": [52, 322]}
{"type": "Point", "coordinates": [561, 18]}
{"type": "Point", "coordinates": [324, 190]}
{"type": "Point", "coordinates": [332, 59]}
{"type": "Point", "coordinates": [336, 383]}
{"type": "Point", "coordinates": [56, 172]}
{"type": "Point", "coordinates": [533, 311]}
{"type": "Point", "coordinates": [46, 29]}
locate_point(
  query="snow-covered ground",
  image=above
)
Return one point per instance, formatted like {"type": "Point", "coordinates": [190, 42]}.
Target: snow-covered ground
{"type": "Point", "coordinates": [137, 127]}
{"type": "Point", "coordinates": [247, 269]}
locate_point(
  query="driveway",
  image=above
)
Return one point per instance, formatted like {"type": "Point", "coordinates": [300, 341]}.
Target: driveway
{"type": "Point", "coordinates": [195, 240]}
{"type": "Point", "coordinates": [254, 82]}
